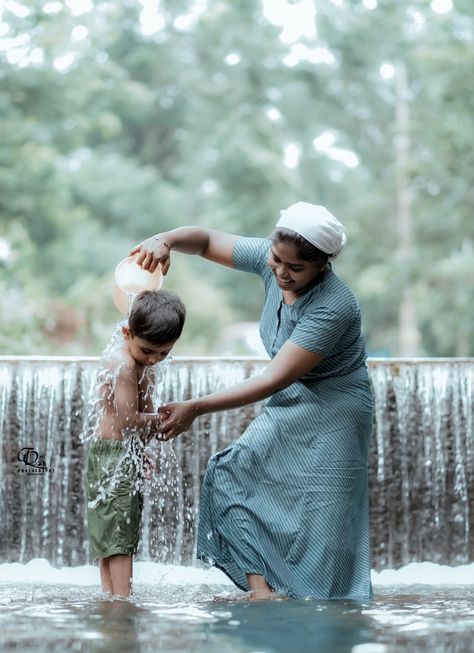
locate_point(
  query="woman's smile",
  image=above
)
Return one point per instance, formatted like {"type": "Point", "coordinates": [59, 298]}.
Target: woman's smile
{"type": "Point", "coordinates": [283, 259]}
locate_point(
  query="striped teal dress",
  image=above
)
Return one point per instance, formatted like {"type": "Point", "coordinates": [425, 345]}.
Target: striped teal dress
{"type": "Point", "coordinates": [288, 500]}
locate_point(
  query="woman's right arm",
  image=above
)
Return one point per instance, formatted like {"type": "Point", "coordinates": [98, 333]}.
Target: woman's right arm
{"type": "Point", "coordinates": [213, 245]}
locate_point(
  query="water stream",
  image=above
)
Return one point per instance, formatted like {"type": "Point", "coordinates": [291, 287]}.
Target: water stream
{"type": "Point", "coordinates": [421, 461]}
{"type": "Point", "coordinates": [422, 506]}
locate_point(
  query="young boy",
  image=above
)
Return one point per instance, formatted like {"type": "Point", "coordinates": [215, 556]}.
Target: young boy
{"type": "Point", "coordinates": [123, 421]}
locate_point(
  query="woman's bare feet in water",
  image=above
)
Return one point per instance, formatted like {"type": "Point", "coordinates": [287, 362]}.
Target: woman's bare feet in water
{"type": "Point", "coordinates": [260, 590]}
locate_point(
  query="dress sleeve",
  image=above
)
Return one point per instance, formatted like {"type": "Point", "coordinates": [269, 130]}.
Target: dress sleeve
{"type": "Point", "coordinates": [321, 330]}
{"type": "Point", "coordinates": [250, 255]}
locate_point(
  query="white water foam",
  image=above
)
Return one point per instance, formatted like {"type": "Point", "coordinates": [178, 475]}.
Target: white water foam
{"type": "Point", "coordinates": [151, 573]}
{"type": "Point", "coordinates": [425, 573]}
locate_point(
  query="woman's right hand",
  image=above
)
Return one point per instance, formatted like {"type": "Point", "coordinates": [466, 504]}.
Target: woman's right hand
{"type": "Point", "coordinates": [151, 253]}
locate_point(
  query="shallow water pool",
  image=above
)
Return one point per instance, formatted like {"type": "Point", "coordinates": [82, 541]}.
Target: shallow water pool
{"type": "Point", "coordinates": [175, 609]}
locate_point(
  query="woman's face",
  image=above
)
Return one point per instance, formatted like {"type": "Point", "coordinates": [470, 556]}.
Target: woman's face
{"type": "Point", "coordinates": [291, 272]}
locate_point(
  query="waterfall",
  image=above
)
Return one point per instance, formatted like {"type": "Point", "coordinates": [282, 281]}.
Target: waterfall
{"type": "Point", "coordinates": [43, 406]}
{"type": "Point", "coordinates": [421, 468]}
{"type": "Point", "coordinates": [421, 462]}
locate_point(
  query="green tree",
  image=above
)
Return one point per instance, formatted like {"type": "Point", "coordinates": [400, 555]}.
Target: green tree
{"type": "Point", "coordinates": [113, 130]}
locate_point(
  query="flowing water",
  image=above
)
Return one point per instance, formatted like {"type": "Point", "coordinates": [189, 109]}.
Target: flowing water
{"type": "Point", "coordinates": [422, 505]}
{"type": "Point", "coordinates": [178, 609]}
{"type": "Point", "coordinates": [421, 468]}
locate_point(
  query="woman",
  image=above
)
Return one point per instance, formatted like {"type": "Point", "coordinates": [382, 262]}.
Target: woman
{"type": "Point", "coordinates": [285, 507]}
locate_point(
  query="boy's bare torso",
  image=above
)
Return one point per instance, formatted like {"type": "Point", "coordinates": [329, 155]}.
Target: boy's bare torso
{"type": "Point", "coordinates": [124, 391]}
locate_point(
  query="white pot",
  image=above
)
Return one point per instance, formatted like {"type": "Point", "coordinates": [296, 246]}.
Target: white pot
{"type": "Point", "coordinates": [130, 279]}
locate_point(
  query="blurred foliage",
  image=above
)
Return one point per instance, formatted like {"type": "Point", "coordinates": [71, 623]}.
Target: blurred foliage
{"type": "Point", "coordinates": [114, 128]}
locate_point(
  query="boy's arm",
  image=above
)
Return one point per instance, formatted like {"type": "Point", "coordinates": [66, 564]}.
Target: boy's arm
{"type": "Point", "coordinates": [127, 403]}
{"type": "Point", "coordinates": [145, 387]}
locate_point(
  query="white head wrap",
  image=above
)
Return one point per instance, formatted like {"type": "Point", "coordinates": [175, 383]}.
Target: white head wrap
{"type": "Point", "coordinates": [316, 224]}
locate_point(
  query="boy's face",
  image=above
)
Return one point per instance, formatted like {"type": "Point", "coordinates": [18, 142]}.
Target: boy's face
{"type": "Point", "coordinates": [143, 352]}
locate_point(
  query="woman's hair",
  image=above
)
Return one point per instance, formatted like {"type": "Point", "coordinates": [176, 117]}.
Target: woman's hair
{"type": "Point", "coordinates": [157, 316]}
{"type": "Point", "coordinates": [304, 248]}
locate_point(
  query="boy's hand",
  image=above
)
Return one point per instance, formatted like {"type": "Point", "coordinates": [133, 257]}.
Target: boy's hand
{"type": "Point", "coordinates": [148, 465]}
{"type": "Point", "coordinates": [151, 253]}
{"type": "Point", "coordinates": [177, 418]}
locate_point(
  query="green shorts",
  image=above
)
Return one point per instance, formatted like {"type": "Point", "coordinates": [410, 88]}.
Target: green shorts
{"type": "Point", "coordinates": [114, 498]}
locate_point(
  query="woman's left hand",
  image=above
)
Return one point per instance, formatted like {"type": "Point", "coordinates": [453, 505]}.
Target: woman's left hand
{"type": "Point", "coordinates": [176, 418]}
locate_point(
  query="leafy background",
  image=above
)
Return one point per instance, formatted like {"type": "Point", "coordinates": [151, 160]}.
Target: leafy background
{"type": "Point", "coordinates": [122, 119]}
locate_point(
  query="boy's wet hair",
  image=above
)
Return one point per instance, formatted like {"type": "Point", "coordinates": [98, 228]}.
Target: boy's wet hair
{"type": "Point", "coordinates": [305, 250]}
{"type": "Point", "coordinates": [157, 316]}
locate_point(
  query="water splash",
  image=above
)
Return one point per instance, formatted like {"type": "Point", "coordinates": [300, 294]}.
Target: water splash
{"type": "Point", "coordinates": [102, 398]}
{"type": "Point", "coordinates": [43, 609]}
{"type": "Point", "coordinates": [104, 419]}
